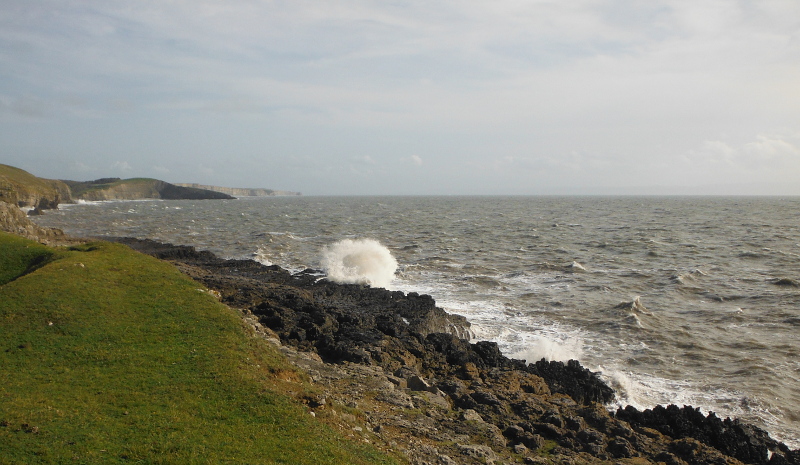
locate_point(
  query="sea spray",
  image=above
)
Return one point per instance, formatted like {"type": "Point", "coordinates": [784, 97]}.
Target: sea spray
{"type": "Point", "coordinates": [360, 261]}
{"type": "Point", "coordinates": [551, 350]}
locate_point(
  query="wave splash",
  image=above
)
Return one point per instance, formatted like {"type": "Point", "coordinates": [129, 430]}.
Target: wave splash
{"type": "Point", "coordinates": [360, 261]}
{"type": "Point", "coordinates": [551, 350]}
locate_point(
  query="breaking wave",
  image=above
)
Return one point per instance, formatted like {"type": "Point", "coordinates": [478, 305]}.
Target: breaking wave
{"type": "Point", "coordinates": [360, 261]}
{"type": "Point", "coordinates": [551, 350]}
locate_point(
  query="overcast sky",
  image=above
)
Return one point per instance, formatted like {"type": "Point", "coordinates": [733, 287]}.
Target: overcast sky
{"type": "Point", "coordinates": [407, 97]}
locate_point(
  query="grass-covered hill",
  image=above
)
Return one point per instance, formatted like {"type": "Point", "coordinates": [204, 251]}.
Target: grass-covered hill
{"type": "Point", "coordinates": [111, 356]}
{"type": "Point", "coordinates": [137, 188]}
{"type": "Point", "coordinates": [20, 188]}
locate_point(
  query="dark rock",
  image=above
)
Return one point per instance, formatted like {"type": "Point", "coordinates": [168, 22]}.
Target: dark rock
{"type": "Point", "coordinates": [531, 441]}
{"type": "Point", "coordinates": [553, 418]}
{"type": "Point", "coordinates": [669, 459]}
{"type": "Point", "coordinates": [549, 430]}
{"type": "Point", "coordinates": [620, 448]}
{"type": "Point", "coordinates": [574, 380]}
{"type": "Point", "coordinates": [574, 423]}
{"type": "Point", "coordinates": [513, 432]}
{"type": "Point", "coordinates": [589, 436]}
{"type": "Point", "coordinates": [744, 442]}
{"type": "Point", "coordinates": [415, 383]}
{"type": "Point", "coordinates": [465, 401]}
{"type": "Point", "coordinates": [485, 397]}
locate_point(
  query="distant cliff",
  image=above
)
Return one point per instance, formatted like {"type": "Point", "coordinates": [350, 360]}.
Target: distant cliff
{"type": "Point", "coordinates": [20, 188]}
{"type": "Point", "coordinates": [239, 191]}
{"type": "Point", "coordinates": [137, 188]}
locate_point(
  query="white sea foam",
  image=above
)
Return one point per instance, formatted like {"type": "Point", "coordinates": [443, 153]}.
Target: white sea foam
{"type": "Point", "coordinates": [551, 350]}
{"type": "Point", "coordinates": [360, 261]}
{"type": "Point", "coordinates": [261, 255]}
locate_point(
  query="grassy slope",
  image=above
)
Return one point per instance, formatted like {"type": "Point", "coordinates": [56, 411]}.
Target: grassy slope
{"type": "Point", "coordinates": [110, 356]}
{"type": "Point", "coordinates": [23, 178]}
{"type": "Point", "coordinates": [82, 188]}
{"type": "Point", "coordinates": [14, 181]}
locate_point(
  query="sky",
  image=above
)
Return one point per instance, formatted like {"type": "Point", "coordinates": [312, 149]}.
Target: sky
{"type": "Point", "coordinates": [433, 97]}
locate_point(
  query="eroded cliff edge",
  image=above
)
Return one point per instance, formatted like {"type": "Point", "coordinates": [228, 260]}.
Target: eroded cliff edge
{"type": "Point", "coordinates": [24, 190]}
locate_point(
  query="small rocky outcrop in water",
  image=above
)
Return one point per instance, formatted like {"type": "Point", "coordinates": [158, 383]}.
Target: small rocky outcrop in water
{"type": "Point", "coordinates": [425, 389]}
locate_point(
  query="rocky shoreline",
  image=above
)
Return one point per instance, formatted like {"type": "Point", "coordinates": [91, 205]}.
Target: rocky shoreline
{"type": "Point", "coordinates": [397, 371]}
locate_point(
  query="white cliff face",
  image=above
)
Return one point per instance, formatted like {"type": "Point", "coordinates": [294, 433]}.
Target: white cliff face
{"type": "Point", "coordinates": [239, 191]}
{"type": "Point", "coordinates": [125, 191]}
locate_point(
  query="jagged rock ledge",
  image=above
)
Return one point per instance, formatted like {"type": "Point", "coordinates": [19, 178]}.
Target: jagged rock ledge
{"type": "Point", "coordinates": [479, 406]}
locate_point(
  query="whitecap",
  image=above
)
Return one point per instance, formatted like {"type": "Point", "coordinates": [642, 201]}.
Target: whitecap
{"type": "Point", "coordinates": [576, 267]}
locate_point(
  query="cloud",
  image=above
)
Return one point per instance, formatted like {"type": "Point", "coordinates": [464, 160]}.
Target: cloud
{"type": "Point", "coordinates": [81, 167]}
{"type": "Point", "coordinates": [594, 92]}
{"type": "Point", "coordinates": [121, 166]}
{"type": "Point", "coordinates": [364, 159]}
{"type": "Point", "coordinates": [23, 106]}
{"type": "Point", "coordinates": [769, 148]}
{"type": "Point", "coordinates": [770, 158]}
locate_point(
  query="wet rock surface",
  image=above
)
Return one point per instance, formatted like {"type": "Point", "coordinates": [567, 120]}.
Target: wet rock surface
{"type": "Point", "coordinates": [403, 373]}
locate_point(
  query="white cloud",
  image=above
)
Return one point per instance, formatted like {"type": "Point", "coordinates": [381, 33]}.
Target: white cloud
{"type": "Point", "coordinates": [769, 148]}
{"type": "Point", "coordinates": [81, 167]}
{"type": "Point", "coordinates": [601, 88]}
{"type": "Point", "coordinates": [121, 166]}
{"type": "Point", "coordinates": [766, 160]}
{"type": "Point", "coordinates": [364, 159]}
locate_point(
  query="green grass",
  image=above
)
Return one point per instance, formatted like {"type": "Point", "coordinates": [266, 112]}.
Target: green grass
{"type": "Point", "coordinates": [23, 178]}
{"type": "Point", "coordinates": [111, 356]}
{"type": "Point", "coordinates": [82, 188]}
{"type": "Point", "coordinates": [17, 184]}
{"type": "Point", "coordinates": [19, 256]}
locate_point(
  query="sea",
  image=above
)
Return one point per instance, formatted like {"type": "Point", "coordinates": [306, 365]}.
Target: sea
{"type": "Point", "coordinates": [673, 300]}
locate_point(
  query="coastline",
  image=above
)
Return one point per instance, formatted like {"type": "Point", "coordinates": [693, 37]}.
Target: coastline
{"type": "Point", "coordinates": [439, 397]}
{"type": "Point", "coordinates": [396, 363]}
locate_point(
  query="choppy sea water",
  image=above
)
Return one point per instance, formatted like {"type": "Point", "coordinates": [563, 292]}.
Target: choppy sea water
{"type": "Point", "coordinates": [675, 300]}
